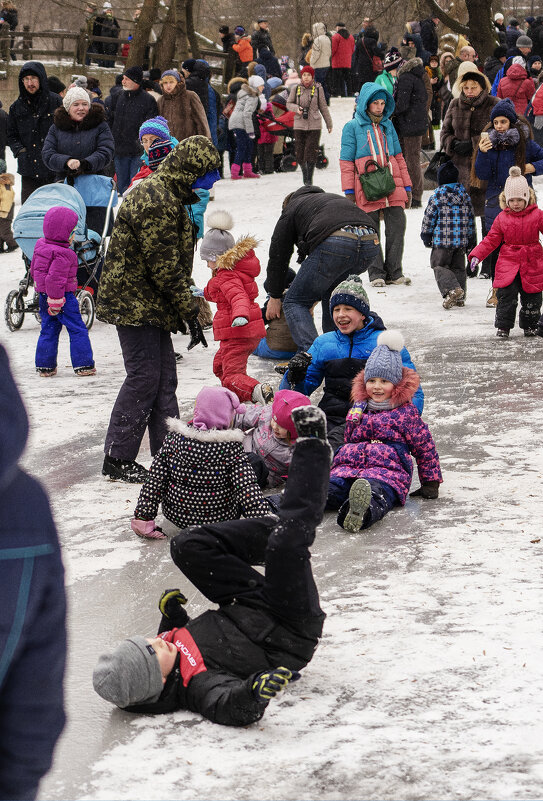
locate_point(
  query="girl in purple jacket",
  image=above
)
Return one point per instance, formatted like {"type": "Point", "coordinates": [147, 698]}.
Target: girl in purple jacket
{"type": "Point", "coordinates": [372, 472]}
{"type": "Point", "coordinates": [54, 270]}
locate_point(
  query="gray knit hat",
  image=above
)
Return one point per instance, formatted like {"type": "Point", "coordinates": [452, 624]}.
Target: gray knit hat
{"type": "Point", "coordinates": [217, 240]}
{"type": "Point", "coordinates": [385, 360]}
{"type": "Point", "coordinates": [130, 674]}
{"type": "Point", "coordinates": [523, 41]}
{"type": "Point", "coordinates": [351, 292]}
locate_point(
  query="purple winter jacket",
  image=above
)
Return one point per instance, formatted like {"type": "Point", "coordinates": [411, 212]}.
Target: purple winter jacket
{"type": "Point", "coordinates": [379, 445]}
{"type": "Point", "coordinates": [54, 263]}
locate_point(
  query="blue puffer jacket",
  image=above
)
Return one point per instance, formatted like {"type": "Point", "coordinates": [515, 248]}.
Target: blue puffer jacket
{"type": "Point", "coordinates": [89, 141]}
{"type": "Point", "coordinates": [336, 359]}
{"type": "Point", "coordinates": [32, 611]}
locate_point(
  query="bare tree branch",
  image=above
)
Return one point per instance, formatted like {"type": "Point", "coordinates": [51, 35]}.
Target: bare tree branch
{"type": "Point", "coordinates": [450, 22]}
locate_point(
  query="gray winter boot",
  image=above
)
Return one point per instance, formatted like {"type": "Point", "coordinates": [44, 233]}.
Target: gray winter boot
{"type": "Point", "coordinates": [359, 502]}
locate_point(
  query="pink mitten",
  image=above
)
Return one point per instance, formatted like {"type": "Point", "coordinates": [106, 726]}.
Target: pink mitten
{"type": "Point", "coordinates": [146, 529]}
{"type": "Point", "coordinates": [55, 305]}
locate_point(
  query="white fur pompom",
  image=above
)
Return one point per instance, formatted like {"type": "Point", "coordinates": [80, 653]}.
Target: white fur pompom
{"type": "Point", "coordinates": [515, 172]}
{"type": "Point", "coordinates": [392, 339]}
{"type": "Point", "coordinates": [220, 219]}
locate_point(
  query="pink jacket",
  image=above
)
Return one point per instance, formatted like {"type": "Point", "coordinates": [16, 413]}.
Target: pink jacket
{"type": "Point", "coordinates": [521, 251]}
{"type": "Point", "coordinates": [517, 87]}
{"type": "Point", "coordinates": [54, 263]}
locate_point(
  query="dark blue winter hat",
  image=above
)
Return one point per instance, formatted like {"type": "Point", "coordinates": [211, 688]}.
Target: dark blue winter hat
{"type": "Point", "coordinates": [385, 361]}
{"type": "Point", "coordinates": [447, 174]}
{"type": "Point", "coordinates": [504, 108]}
{"type": "Point", "coordinates": [351, 292]}
{"type": "Point", "coordinates": [135, 74]}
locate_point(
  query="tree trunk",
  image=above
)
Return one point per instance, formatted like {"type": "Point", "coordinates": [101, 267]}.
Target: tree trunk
{"type": "Point", "coordinates": [147, 19]}
{"type": "Point", "coordinates": [181, 41]}
{"type": "Point", "coordinates": [164, 49]}
{"type": "Point", "coordinates": [191, 35]}
{"type": "Point", "coordinates": [479, 28]}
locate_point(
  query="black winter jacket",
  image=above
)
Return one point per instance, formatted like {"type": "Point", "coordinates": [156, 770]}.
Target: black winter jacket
{"type": "Point", "coordinates": [269, 62]}
{"type": "Point", "coordinates": [261, 38]}
{"type": "Point", "coordinates": [410, 115]}
{"type": "Point", "coordinates": [32, 611]}
{"type": "Point", "coordinates": [128, 111]}
{"type": "Point", "coordinates": [3, 132]}
{"type": "Point", "coordinates": [90, 141]}
{"type": "Point", "coordinates": [307, 220]}
{"type": "Point", "coordinates": [30, 118]}
{"type": "Point", "coordinates": [197, 82]}
{"type": "Point", "coordinates": [366, 47]}
{"type": "Point", "coordinates": [235, 643]}
{"type": "Point", "coordinates": [428, 34]}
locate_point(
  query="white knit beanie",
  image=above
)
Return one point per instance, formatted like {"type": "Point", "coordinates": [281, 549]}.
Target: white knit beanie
{"type": "Point", "coordinates": [255, 81]}
{"type": "Point", "coordinates": [516, 186]}
{"type": "Point", "coordinates": [76, 93]}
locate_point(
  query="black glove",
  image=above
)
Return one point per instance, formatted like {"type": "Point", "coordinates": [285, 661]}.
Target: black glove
{"type": "Point", "coordinates": [429, 491]}
{"type": "Point", "coordinates": [427, 239]}
{"type": "Point", "coordinates": [196, 334]}
{"type": "Point", "coordinates": [297, 367]}
{"type": "Point", "coordinates": [171, 605]}
{"type": "Point", "coordinates": [463, 147]}
{"type": "Point", "coordinates": [267, 685]}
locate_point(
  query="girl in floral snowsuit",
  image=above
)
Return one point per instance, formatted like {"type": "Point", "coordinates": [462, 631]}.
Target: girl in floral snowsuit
{"type": "Point", "coordinates": [372, 472]}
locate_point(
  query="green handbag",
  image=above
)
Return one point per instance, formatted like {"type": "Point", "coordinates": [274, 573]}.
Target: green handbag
{"type": "Point", "coordinates": [378, 183]}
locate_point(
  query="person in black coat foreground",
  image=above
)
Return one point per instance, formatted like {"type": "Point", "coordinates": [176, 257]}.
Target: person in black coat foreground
{"type": "Point", "coordinates": [228, 663]}
{"type": "Point", "coordinates": [32, 612]}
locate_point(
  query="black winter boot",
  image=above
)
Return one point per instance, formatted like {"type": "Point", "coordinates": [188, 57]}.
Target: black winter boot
{"type": "Point", "coordinates": [303, 168]}
{"type": "Point", "coordinates": [124, 470]}
{"type": "Point", "coordinates": [309, 421]}
{"type": "Point", "coordinates": [310, 169]}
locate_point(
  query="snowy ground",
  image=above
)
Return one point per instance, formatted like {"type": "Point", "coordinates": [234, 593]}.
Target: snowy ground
{"type": "Point", "coordinates": [427, 683]}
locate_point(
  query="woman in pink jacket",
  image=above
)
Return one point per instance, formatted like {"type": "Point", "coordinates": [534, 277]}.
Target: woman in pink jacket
{"type": "Point", "coordinates": [238, 323]}
{"type": "Point", "coordinates": [519, 269]}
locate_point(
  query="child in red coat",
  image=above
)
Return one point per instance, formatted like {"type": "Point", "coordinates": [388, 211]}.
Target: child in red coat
{"type": "Point", "coordinates": [519, 269]}
{"type": "Point", "coordinates": [238, 323]}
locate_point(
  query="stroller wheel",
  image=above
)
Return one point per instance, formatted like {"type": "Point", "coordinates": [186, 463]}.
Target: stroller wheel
{"type": "Point", "coordinates": [14, 310]}
{"type": "Point", "coordinates": [86, 307]}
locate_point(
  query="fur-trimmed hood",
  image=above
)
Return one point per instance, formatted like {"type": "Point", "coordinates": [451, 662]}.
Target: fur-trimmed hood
{"type": "Point", "coordinates": [213, 435]}
{"type": "Point", "coordinates": [235, 84]}
{"type": "Point", "coordinates": [403, 391]}
{"type": "Point", "coordinates": [505, 207]}
{"type": "Point", "coordinates": [229, 259]}
{"type": "Point", "coordinates": [468, 68]}
{"type": "Point", "coordinates": [409, 66]}
{"type": "Point", "coordinates": [7, 179]}
{"type": "Point", "coordinates": [64, 122]}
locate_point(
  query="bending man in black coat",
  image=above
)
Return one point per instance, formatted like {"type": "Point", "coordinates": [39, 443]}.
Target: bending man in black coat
{"type": "Point", "coordinates": [334, 238]}
{"type": "Point", "coordinates": [228, 663]}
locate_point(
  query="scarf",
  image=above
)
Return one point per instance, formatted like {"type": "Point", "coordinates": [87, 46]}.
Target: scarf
{"type": "Point", "coordinates": [501, 140]}
{"type": "Point", "coordinates": [376, 119]}
{"type": "Point", "coordinates": [380, 406]}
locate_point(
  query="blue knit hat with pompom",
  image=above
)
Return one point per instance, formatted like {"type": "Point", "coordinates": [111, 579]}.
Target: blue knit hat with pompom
{"type": "Point", "coordinates": [385, 360]}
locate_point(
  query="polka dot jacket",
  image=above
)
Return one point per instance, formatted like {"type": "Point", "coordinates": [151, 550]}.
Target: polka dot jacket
{"type": "Point", "coordinates": [201, 477]}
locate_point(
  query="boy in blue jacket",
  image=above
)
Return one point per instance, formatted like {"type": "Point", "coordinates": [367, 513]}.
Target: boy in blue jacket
{"type": "Point", "coordinates": [448, 226]}
{"type": "Point", "coordinates": [338, 356]}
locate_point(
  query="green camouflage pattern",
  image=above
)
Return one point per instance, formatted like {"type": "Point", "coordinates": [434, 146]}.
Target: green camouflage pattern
{"type": "Point", "coordinates": [147, 271]}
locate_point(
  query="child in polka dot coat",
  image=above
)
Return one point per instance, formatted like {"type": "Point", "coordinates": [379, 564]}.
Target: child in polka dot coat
{"type": "Point", "coordinates": [201, 473]}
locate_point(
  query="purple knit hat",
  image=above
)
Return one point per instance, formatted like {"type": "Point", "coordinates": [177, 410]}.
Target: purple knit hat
{"type": "Point", "coordinates": [157, 126]}
{"type": "Point", "coordinates": [215, 407]}
{"type": "Point", "coordinates": [174, 74]}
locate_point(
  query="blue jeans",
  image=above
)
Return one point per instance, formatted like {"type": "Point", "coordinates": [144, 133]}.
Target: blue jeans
{"type": "Point", "coordinates": [70, 317]}
{"type": "Point", "coordinates": [330, 263]}
{"type": "Point", "coordinates": [244, 147]}
{"type": "Point", "coordinates": [383, 499]}
{"type": "Point", "coordinates": [126, 167]}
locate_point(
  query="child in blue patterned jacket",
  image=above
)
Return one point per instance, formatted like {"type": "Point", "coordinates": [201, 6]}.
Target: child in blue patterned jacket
{"type": "Point", "coordinates": [448, 226]}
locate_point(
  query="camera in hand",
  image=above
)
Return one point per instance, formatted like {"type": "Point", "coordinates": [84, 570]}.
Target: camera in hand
{"type": "Point", "coordinates": [305, 113]}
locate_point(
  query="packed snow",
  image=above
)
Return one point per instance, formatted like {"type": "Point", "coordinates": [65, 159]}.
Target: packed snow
{"type": "Point", "coordinates": [427, 682]}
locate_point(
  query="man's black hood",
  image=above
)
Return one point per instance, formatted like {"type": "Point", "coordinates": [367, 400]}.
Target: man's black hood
{"type": "Point", "coordinates": [344, 32]}
{"type": "Point", "coordinates": [33, 68]}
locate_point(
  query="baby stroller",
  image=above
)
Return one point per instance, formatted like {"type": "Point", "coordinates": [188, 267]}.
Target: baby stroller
{"type": "Point", "coordinates": [286, 161]}
{"type": "Point", "coordinates": [89, 246]}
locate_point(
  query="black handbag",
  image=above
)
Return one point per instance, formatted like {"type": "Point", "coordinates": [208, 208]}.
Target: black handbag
{"type": "Point", "coordinates": [439, 158]}
{"type": "Point", "coordinates": [378, 183]}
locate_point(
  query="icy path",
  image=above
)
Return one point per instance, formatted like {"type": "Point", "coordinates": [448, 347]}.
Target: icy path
{"type": "Point", "coordinates": [427, 683]}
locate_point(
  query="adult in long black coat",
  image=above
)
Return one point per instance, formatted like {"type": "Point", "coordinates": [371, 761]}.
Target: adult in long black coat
{"type": "Point", "coordinates": [411, 119]}
{"type": "Point", "coordinates": [428, 34]}
{"type": "Point", "coordinates": [367, 46]}
{"type": "Point", "coordinates": [32, 611]}
{"type": "Point", "coordinates": [30, 118]}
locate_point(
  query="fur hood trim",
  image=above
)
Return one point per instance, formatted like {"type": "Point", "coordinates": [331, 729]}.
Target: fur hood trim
{"type": "Point", "coordinates": [402, 392]}
{"type": "Point", "coordinates": [64, 122]}
{"type": "Point", "coordinates": [7, 179]}
{"type": "Point", "coordinates": [533, 200]}
{"type": "Point", "coordinates": [248, 90]}
{"type": "Point", "coordinates": [228, 260]}
{"type": "Point", "coordinates": [213, 435]}
{"type": "Point", "coordinates": [409, 65]}
{"type": "Point", "coordinates": [237, 81]}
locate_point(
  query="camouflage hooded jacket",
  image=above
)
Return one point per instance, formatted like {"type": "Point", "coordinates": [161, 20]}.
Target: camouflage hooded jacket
{"type": "Point", "coordinates": [147, 271]}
